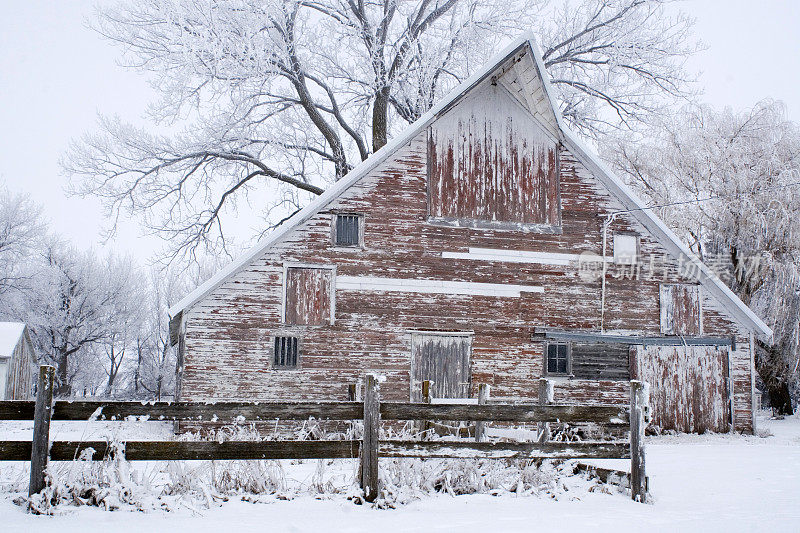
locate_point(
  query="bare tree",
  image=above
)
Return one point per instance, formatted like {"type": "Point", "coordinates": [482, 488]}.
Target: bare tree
{"type": "Point", "coordinates": [21, 231]}
{"type": "Point", "coordinates": [734, 182]}
{"type": "Point", "coordinates": [283, 96]}
{"type": "Point", "coordinates": [75, 306]}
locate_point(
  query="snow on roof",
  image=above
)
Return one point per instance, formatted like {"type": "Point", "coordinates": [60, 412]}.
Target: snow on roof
{"type": "Point", "coordinates": [587, 156]}
{"type": "Point", "coordinates": [10, 332]}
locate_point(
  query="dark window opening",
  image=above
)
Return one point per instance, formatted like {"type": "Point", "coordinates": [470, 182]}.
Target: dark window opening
{"type": "Point", "coordinates": [557, 359]}
{"type": "Point", "coordinates": [286, 352]}
{"type": "Point", "coordinates": [347, 230]}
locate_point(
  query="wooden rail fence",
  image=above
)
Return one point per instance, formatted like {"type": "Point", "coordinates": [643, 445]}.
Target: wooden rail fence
{"type": "Point", "coordinates": [371, 410]}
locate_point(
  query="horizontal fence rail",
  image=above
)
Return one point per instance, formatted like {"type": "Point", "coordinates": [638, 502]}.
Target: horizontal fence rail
{"type": "Point", "coordinates": [189, 450]}
{"type": "Point", "coordinates": [504, 450]}
{"type": "Point", "coordinates": [571, 414]}
{"type": "Point", "coordinates": [255, 411]}
{"type": "Point", "coordinates": [368, 449]}
{"type": "Point", "coordinates": [187, 411]}
{"type": "Point", "coordinates": [325, 449]}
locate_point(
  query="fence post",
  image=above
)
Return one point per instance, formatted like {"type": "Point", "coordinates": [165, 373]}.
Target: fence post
{"type": "Point", "coordinates": [545, 398]}
{"type": "Point", "coordinates": [425, 425]}
{"type": "Point", "coordinates": [369, 446]}
{"type": "Point", "coordinates": [480, 427]}
{"type": "Point", "coordinates": [40, 446]}
{"type": "Point", "coordinates": [639, 407]}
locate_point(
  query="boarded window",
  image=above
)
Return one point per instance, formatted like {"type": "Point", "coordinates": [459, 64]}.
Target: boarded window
{"type": "Point", "coordinates": [680, 309]}
{"type": "Point", "coordinates": [309, 296]}
{"type": "Point", "coordinates": [286, 352]}
{"type": "Point", "coordinates": [490, 160]}
{"type": "Point", "coordinates": [600, 361]}
{"type": "Point", "coordinates": [444, 360]}
{"type": "Point", "coordinates": [557, 359]}
{"type": "Point", "coordinates": [626, 249]}
{"type": "Point", "coordinates": [347, 230]}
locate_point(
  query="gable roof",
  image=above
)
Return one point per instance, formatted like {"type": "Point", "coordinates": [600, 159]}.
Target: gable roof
{"type": "Point", "coordinates": [526, 85]}
{"type": "Point", "coordinates": [10, 335]}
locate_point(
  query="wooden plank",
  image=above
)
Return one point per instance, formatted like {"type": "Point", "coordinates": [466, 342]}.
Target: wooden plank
{"type": "Point", "coordinates": [608, 475]}
{"type": "Point", "coordinates": [369, 446]}
{"type": "Point", "coordinates": [596, 337]}
{"type": "Point", "coordinates": [188, 411]}
{"type": "Point", "coordinates": [17, 410]}
{"type": "Point", "coordinates": [545, 398]}
{"type": "Point", "coordinates": [41, 429]}
{"type": "Point", "coordinates": [190, 450]}
{"type": "Point", "coordinates": [483, 398]}
{"type": "Point", "coordinates": [639, 403]}
{"type": "Point", "coordinates": [504, 450]}
{"type": "Point", "coordinates": [605, 414]}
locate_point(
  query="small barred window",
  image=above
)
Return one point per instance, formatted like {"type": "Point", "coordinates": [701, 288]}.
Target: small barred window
{"type": "Point", "coordinates": [286, 352]}
{"type": "Point", "coordinates": [348, 230]}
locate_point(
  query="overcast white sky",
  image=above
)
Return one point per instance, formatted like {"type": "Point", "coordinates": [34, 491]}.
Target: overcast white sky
{"type": "Point", "coordinates": [56, 74]}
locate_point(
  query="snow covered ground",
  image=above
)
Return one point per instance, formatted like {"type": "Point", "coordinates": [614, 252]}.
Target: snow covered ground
{"type": "Point", "coordinates": [707, 482]}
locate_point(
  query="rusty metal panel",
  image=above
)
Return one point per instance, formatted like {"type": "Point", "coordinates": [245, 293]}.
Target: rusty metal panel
{"type": "Point", "coordinates": [689, 386]}
{"type": "Point", "coordinates": [490, 160]}
{"type": "Point", "coordinates": [680, 309]}
{"type": "Point", "coordinates": [444, 360]}
{"type": "Point", "coordinates": [308, 296]}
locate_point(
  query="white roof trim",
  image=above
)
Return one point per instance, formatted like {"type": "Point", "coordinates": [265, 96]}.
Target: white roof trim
{"type": "Point", "coordinates": [615, 186]}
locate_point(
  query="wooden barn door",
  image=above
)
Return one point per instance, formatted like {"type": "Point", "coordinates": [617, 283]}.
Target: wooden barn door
{"type": "Point", "coordinates": [443, 359]}
{"type": "Point", "coordinates": [688, 386]}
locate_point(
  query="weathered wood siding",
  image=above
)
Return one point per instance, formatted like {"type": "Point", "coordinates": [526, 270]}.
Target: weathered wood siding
{"type": "Point", "coordinates": [689, 386]}
{"type": "Point", "coordinates": [19, 379]}
{"type": "Point", "coordinates": [491, 161]}
{"type": "Point", "coordinates": [394, 287]}
{"type": "Point", "coordinates": [601, 361]}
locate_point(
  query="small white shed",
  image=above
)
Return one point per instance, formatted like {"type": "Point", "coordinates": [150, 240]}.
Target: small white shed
{"type": "Point", "coordinates": [16, 361]}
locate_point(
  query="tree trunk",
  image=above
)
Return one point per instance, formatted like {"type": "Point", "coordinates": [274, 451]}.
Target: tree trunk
{"type": "Point", "coordinates": [63, 388]}
{"type": "Point", "coordinates": [380, 119]}
{"type": "Point", "coordinates": [780, 399]}
{"type": "Point", "coordinates": [770, 365]}
{"type": "Point", "coordinates": [137, 373]}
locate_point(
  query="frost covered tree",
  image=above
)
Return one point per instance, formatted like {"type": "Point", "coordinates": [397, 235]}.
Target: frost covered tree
{"type": "Point", "coordinates": [76, 303]}
{"type": "Point", "coordinates": [736, 180]}
{"type": "Point", "coordinates": [21, 230]}
{"type": "Point", "coordinates": [154, 374]}
{"type": "Point", "coordinates": [265, 102]}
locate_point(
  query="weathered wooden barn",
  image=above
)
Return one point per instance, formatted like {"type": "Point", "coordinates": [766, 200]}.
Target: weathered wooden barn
{"type": "Point", "coordinates": [16, 361]}
{"type": "Point", "coordinates": [486, 244]}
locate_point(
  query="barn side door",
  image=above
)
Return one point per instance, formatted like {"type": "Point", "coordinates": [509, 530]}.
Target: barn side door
{"type": "Point", "coordinates": [444, 360]}
{"type": "Point", "coordinates": [689, 386]}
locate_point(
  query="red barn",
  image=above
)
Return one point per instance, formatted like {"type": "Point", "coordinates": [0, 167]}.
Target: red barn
{"type": "Point", "coordinates": [486, 244]}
